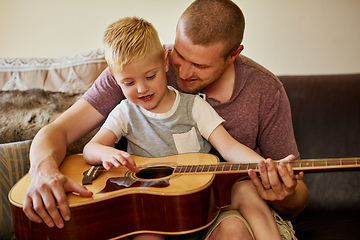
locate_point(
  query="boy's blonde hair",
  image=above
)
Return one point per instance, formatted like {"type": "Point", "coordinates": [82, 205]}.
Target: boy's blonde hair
{"type": "Point", "coordinates": [130, 39]}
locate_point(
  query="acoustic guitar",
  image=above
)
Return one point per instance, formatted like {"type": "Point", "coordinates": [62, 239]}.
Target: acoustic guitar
{"type": "Point", "coordinates": [171, 195]}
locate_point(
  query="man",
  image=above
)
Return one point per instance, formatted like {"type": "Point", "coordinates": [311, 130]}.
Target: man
{"type": "Point", "coordinates": [206, 59]}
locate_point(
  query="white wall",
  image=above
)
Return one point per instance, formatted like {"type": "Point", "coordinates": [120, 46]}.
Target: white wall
{"type": "Point", "coordinates": [287, 37]}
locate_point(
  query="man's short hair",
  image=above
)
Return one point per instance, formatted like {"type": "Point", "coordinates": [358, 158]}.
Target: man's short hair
{"type": "Point", "coordinates": [207, 22]}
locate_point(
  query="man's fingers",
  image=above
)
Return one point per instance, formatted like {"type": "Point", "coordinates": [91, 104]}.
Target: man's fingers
{"type": "Point", "coordinates": [70, 186]}
{"type": "Point", "coordinates": [28, 210]}
{"type": "Point", "coordinates": [256, 180]}
{"type": "Point", "coordinates": [263, 171]}
{"type": "Point", "coordinates": [48, 202]}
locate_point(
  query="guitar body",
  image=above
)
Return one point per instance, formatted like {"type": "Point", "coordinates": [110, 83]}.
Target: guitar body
{"type": "Point", "coordinates": [186, 204]}
{"type": "Point", "coordinates": [171, 195]}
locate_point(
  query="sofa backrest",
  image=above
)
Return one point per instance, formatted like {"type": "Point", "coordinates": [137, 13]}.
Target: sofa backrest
{"type": "Point", "coordinates": [326, 120]}
{"type": "Point", "coordinates": [73, 74]}
{"type": "Point", "coordinates": [326, 114]}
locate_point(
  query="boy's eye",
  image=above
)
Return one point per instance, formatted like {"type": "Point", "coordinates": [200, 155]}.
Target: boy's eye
{"type": "Point", "coordinates": [151, 77]}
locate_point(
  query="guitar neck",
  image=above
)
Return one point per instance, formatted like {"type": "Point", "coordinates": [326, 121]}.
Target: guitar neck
{"type": "Point", "coordinates": [306, 165]}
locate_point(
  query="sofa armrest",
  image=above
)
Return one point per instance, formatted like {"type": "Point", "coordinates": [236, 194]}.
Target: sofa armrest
{"type": "Point", "coordinates": [14, 163]}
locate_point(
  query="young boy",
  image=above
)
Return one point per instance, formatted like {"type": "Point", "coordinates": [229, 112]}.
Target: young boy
{"type": "Point", "coordinates": [160, 121]}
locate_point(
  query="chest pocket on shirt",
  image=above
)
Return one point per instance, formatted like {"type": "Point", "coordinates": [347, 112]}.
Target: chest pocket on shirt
{"type": "Point", "coordinates": [187, 142]}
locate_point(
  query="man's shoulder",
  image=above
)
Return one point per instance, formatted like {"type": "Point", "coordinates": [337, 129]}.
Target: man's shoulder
{"type": "Point", "coordinates": [247, 69]}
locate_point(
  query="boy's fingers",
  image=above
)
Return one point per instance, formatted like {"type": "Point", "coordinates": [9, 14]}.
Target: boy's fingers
{"type": "Point", "coordinates": [131, 162]}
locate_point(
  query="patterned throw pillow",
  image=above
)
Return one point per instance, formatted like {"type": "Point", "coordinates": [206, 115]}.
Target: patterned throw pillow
{"type": "Point", "coordinates": [14, 163]}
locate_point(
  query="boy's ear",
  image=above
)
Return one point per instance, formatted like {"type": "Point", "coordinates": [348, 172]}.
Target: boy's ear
{"type": "Point", "coordinates": [236, 53]}
{"type": "Point", "coordinates": [166, 60]}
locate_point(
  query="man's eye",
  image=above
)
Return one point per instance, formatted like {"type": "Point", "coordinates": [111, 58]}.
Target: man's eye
{"type": "Point", "coordinates": [180, 56]}
{"type": "Point", "coordinates": [201, 66]}
{"type": "Point", "coordinates": [128, 83]}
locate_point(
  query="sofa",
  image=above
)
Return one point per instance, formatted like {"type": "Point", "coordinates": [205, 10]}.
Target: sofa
{"type": "Point", "coordinates": [34, 92]}
{"type": "Point", "coordinates": [326, 120]}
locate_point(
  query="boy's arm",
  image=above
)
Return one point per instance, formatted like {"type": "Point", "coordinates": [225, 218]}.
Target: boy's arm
{"type": "Point", "coordinates": [230, 149]}
{"type": "Point", "coordinates": [48, 186]}
{"type": "Point", "coordinates": [100, 151]}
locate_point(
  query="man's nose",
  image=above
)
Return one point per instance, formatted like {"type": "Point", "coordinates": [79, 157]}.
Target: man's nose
{"type": "Point", "coordinates": [186, 70]}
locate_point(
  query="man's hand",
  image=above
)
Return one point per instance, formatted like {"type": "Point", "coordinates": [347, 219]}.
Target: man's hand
{"type": "Point", "coordinates": [275, 183]}
{"type": "Point", "coordinates": [44, 196]}
{"type": "Point", "coordinates": [279, 185]}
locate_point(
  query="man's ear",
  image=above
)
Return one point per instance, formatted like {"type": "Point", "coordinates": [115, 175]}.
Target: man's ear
{"type": "Point", "coordinates": [236, 53]}
{"type": "Point", "coordinates": [166, 60]}
{"type": "Point", "coordinates": [110, 71]}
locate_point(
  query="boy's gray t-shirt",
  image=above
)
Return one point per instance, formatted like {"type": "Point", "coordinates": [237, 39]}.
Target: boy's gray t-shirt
{"type": "Point", "coordinates": [185, 128]}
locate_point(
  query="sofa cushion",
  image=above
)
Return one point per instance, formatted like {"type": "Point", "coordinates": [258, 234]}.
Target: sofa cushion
{"type": "Point", "coordinates": [14, 163]}
{"type": "Point", "coordinates": [24, 113]}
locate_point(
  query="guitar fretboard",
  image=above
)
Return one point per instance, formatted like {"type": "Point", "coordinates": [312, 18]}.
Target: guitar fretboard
{"type": "Point", "coordinates": [298, 165]}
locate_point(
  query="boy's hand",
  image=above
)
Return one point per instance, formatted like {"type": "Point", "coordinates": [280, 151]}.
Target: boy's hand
{"type": "Point", "coordinates": [119, 158]}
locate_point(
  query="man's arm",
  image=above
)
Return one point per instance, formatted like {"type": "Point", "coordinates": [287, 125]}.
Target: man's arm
{"type": "Point", "coordinates": [288, 193]}
{"type": "Point", "coordinates": [48, 186]}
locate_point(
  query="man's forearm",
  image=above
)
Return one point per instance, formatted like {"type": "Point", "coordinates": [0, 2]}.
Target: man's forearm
{"type": "Point", "coordinates": [48, 150]}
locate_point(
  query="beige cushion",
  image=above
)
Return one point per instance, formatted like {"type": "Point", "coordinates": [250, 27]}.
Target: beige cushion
{"type": "Point", "coordinates": [14, 163]}
{"type": "Point", "coordinates": [73, 74]}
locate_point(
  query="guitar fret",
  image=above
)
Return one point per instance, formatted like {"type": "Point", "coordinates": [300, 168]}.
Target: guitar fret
{"type": "Point", "coordinates": [306, 163]}
{"type": "Point", "coordinates": [244, 166]}
{"type": "Point", "coordinates": [350, 161]}
{"type": "Point", "coordinates": [193, 169]}
{"type": "Point", "coordinates": [234, 167]}
{"type": "Point", "coordinates": [206, 168]}
{"type": "Point", "coordinates": [180, 169]}
{"type": "Point", "coordinates": [227, 167]}
{"type": "Point", "coordinates": [253, 166]}
{"type": "Point", "coordinates": [333, 162]}
{"type": "Point", "coordinates": [295, 164]}
{"type": "Point", "coordinates": [218, 168]}
{"type": "Point", "coordinates": [320, 163]}
{"type": "Point", "coordinates": [212, 168]}
{"type": "Point", "coordinates": [176, 170]}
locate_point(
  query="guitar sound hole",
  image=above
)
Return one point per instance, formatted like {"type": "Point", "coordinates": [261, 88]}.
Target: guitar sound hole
{"type": "Point", "coordinates": [154, 172]}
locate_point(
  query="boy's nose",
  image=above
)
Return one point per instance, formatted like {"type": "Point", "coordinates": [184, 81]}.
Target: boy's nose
{"type": "Point", "coordinates": [142, 88]}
